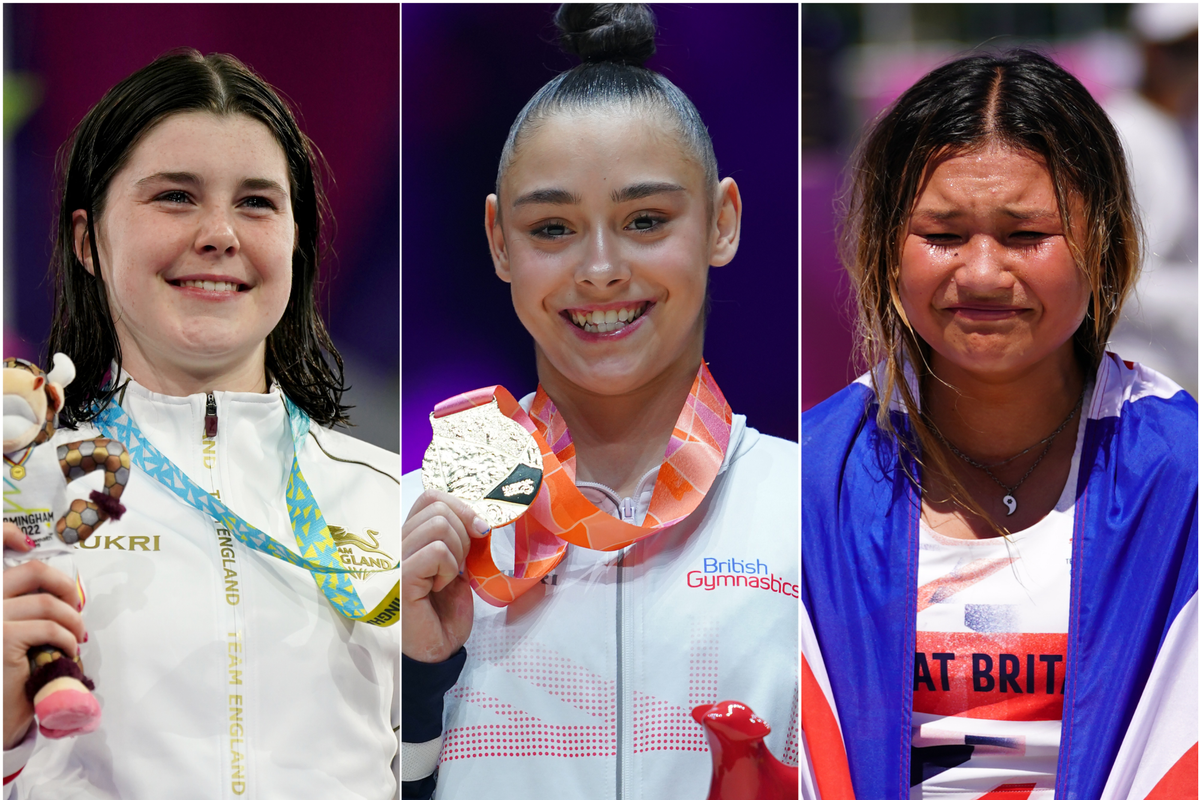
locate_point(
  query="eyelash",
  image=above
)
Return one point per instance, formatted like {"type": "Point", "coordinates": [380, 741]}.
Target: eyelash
{"type": "Point", "coordinates": [542, 231]}
{"type": "Point", "coordinates": [657, 220]}
{"type": "Point", "coordinates": [943, 240]}
{"type": "Point", "coordinates": [177, 196]}
{"type": "Point", "coordinates": [180, 197]}
{"type": "Point", "coordinates": [266, 204]}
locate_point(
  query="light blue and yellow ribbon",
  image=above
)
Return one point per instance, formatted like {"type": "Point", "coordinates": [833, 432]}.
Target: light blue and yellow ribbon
{"type": "Point", "coordinates": [319, 553]}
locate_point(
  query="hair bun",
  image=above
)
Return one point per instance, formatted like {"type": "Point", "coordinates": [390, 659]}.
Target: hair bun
{"type": "Point", "coordinates": [620, 32]}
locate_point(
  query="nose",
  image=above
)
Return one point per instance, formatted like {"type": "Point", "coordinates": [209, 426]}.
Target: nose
{"type": "Point", "coordinates": [983, 266]}
{"type": "Point", "coordinates": [601, 266]}
{"type": "Point", "coordinates": [217, 233]}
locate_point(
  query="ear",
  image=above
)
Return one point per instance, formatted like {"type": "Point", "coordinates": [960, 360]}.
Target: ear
{"type": "Point", "coordinates": [727, 223]}
{"type": "Point", "coordinates": [83, 249]}
{"type": "Point", "coordinates": [495, 237]}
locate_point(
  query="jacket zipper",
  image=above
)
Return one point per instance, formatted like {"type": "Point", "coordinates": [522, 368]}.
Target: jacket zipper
{"type": "Point", "coordinates": [235, 759]}
{"type": "Point", "coordinates": [625, 512]}
{"type": "Point", "coordinates": [210, 416]}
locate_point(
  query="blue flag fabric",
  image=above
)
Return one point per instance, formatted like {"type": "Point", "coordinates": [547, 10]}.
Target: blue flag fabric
{"type": "Point", "coordinates": [1134, 568]}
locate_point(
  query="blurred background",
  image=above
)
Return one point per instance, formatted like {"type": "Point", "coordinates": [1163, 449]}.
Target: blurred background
{"type": "Point", "coordinates": [338, 64]}
{"type": "Point", "coordinates": [467, 71]}
{"type": "Point", "coordinates": [1137, 60]}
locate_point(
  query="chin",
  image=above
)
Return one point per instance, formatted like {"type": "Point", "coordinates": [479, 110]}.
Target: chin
{"type": "Point", "coordinates": [606, 379]}
{"type": "Point", "coordinates": [605, 385]}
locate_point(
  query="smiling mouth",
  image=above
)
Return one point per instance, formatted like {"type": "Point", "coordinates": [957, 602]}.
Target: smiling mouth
{"type": "Point", "coordinates": [212, 286]}
{"type": "Point", "coordinates": [607, 321]}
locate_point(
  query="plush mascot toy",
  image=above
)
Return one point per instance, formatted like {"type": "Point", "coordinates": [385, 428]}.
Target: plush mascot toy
{"type": "Point", "coordinates": [35, 499]}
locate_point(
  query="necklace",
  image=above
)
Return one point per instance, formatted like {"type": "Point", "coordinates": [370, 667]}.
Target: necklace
{"type": "Point", "coordinates": [1010, 500]}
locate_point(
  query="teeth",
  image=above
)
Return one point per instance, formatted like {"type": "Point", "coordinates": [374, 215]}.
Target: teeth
{"type": "Point", "coordinates": [607, 321]}
{"type": "Point", "coordinates": [211, 286]}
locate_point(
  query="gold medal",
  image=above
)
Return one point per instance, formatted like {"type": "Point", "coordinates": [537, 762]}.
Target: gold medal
{"type": "Point", "coordinates": [486, 459]}
{"type": "Point", "coordinates": [17, 472]}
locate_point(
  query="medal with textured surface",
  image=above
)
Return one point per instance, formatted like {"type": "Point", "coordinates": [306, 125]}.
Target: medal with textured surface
{"type": "Point", "coordinates": [486, 459]}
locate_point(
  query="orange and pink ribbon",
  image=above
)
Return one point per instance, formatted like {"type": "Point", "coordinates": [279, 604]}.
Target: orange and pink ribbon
{"type": "Point", "coordinates": [561, 515]}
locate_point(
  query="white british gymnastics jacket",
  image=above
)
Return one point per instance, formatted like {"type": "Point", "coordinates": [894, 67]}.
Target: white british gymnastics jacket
{"type": "Point", "coordinates": [1129, 728]}
{"type": "Point", "coordinates": [584, 687]}
{"type": "Point", "coordinates": [223, 672]}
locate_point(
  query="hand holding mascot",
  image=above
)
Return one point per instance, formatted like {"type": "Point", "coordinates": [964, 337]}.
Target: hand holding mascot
{"type": "Point", "coordinates": [35, 491]}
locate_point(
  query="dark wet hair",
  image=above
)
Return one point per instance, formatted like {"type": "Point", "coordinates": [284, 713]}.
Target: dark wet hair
{"type": "Point", "coordinates": [613, 40]}
{"type": "Point", "coordinates": [1019, 99]}
{"type": "Point", "coordinates": [298, 350]}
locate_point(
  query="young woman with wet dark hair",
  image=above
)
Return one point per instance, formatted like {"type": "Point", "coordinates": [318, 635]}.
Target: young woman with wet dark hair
{"type": "Point", "coordinates": [189, 240]}
{"type": "Point", "coordinates": [83, 326]}
{"type": "Point", "coordinates": [583, 663]}
{"type": "Point", "coordinates": [999, 524]}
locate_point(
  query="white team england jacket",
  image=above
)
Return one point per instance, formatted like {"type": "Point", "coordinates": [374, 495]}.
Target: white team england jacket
{"type": "Point", "coordinates": [583, 687]}
{"type": "Point", "coordinates": [223, 672]}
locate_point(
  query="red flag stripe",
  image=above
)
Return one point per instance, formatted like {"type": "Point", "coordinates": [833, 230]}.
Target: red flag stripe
{"type": "Point", "coordinates": [1180, 781]}
{"type": "Point", "coordinates": [1010, 791]}
{"type": "Point", "coordinates": [831, 769]}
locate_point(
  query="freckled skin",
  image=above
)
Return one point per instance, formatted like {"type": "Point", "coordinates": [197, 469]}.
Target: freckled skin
{"type": "Point", "coordinates": [987, 278]}
{"type": "Point", "coordinates": [157, 230]}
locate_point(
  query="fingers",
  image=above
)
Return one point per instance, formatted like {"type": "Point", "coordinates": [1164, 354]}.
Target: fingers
{"type": "Point", "coordinates": [472, 522]}
{"type": "Point", "coordinates": [439, 517]}
{"type": "Point", "coordinates": [435, 526]}
{"type": "Point", "coordinates": [45, 607]}
{"type": "Point", "coordinates": [35, 576]}
{"type": "Point", "coordinates": [22, 634]}
{"type": "Point", "coordinates": [15, 539]}
{"type": "Point", "coordinates": [428, 570]}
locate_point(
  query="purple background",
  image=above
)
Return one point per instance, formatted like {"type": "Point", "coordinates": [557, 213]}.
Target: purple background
{"type": "Point", "coordinates": [467, 71]}
{"type": "Point", "coordinates": [338, 64]}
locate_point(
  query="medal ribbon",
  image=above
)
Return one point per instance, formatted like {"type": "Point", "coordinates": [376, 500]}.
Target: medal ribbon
{"type": "Point", "coordinates": [561, 515]}
{"type": "Point", "coordinates": [319, 551]}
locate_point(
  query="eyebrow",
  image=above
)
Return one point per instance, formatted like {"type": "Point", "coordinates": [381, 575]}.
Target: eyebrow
{"type": "Point", "coordinates": [189, 178]}
{"type": "Point", "coordinates": [936, 215]}
{"type": "Point", "coordinates": [639, 190]}
{"type": "Point", "coordinates": [192, 179]}
{"type": "Point", "coordinates": [562, 197]}
{"type": "Point", "coordinates": [557, 197]}
{"type": "Point", "coordinates": [263, 185]}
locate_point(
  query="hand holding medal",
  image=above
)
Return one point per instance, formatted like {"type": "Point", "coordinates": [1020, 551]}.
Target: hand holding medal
{"type": "Point", "coordinates": [482, 470]}
{"type": "Point", "coordinates": [436, 610]}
